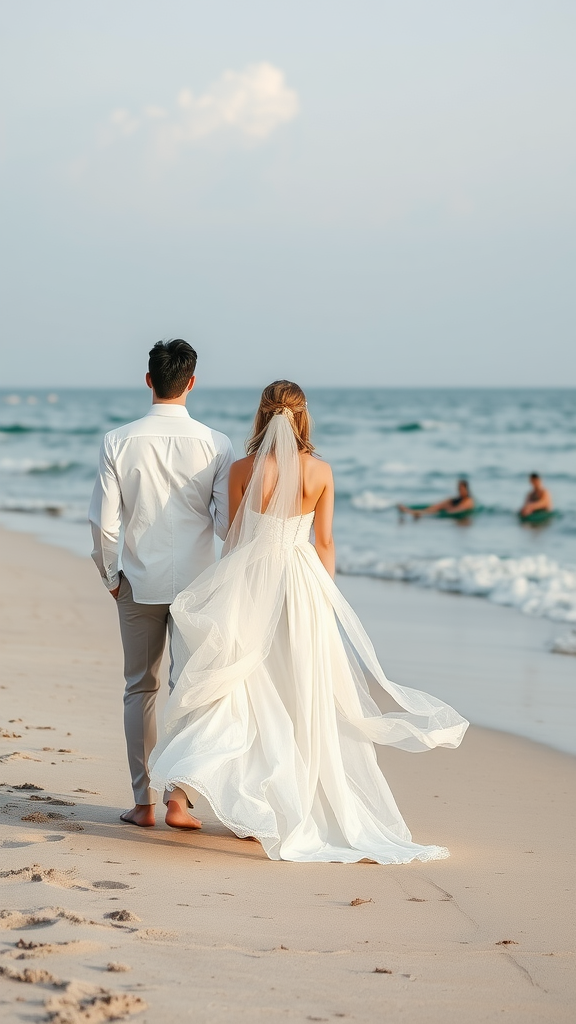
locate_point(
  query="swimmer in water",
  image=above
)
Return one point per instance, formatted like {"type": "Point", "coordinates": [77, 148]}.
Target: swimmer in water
{"type": "Point", "coordinates": [538, 499]}
{"type": "Point", "coordinates": [463, 502]}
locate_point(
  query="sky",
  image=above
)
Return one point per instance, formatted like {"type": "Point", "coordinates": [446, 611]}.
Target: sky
{"type": "Point", "coordinates": [363, 193]}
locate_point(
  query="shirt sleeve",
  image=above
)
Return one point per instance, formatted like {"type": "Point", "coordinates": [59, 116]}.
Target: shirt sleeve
{"type": "Point", "coordinates": [225, 458]}
{"type": "Point", "coordinates": [106, 520]}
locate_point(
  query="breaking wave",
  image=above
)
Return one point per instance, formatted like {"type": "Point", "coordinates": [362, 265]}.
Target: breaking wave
{"type": "Point", "coordinates": [367, 501]}
{"type": "Point", "coordinates": [536, 585]}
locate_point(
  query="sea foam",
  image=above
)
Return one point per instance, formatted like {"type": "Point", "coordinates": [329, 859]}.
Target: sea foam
{"type": "Point", "coordinates": [565, 644]}
{"type": "Point", "coordinates": [368, 501]}
{"type": "Point", "coordinates": [536, 585]}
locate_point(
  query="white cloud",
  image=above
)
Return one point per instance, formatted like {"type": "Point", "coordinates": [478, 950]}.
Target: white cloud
{"type": "Point", "coordinates": [123, 122]}
{"type": "Point", "coordinates": [251, 103]}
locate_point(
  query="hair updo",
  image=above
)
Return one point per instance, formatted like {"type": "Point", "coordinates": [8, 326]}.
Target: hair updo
{"type": "Point", "coordinates": [282, 396]}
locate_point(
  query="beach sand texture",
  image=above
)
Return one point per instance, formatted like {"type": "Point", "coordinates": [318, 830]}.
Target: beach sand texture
{"type": "Point", "coordinates": [100, 921]}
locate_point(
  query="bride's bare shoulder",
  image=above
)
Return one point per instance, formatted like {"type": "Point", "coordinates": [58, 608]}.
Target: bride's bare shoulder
{"type": "Point", "coordinates": [241, 464]}
{"type": "Point", "coordinates": [242, 468]}
{"type": "Point", "coordinates": [316, 467]}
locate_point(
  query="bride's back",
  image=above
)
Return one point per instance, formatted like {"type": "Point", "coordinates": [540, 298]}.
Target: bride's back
{"type": "Point", "coordinates": [316, 476]}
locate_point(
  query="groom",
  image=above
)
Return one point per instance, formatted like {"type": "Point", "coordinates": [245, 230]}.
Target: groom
{"type": "Point", "coordinates": [161, 493]}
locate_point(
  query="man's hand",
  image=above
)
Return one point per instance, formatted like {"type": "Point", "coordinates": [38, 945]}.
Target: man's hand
{"type": "Point", "coordinates": [115, 592]}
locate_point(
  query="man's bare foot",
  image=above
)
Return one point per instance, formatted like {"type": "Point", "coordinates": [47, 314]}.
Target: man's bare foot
{"type": "Point", "coordinates": [141, 814]}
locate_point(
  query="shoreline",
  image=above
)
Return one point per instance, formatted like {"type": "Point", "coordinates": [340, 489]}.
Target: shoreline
{"type": "Point", "coordinates": [530, 690]}
{"type": "Point", "coordinates": [530, 583]}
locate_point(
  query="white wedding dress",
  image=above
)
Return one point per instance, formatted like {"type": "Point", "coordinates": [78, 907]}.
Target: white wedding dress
{"type": "Point", "coordinates": [270, 717]}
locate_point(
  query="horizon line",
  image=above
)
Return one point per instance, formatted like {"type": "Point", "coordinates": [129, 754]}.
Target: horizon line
{"type": "Point", "coordinates": [7, 389]}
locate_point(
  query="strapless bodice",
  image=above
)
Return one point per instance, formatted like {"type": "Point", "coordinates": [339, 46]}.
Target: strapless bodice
{"type": "Point", "coordinates": [287, 532]}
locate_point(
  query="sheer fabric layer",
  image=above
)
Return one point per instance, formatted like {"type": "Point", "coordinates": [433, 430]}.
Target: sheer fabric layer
{"type": "Point", "coordinates": [270, 716]}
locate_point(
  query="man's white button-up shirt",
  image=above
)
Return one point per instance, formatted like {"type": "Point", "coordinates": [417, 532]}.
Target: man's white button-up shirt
{"type": "Point", "coordinates": [161, 492]}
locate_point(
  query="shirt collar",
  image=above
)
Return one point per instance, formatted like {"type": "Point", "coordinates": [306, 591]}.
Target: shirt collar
{"type": "Point", "coordinates": [161, 409]}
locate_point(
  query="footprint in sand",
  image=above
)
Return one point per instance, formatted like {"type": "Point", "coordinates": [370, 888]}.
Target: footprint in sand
{"type": "Point", "coordinates": [18, 755]}
{"type": "Point", "coordinates": [9, 808]}
{"type": "Point", "coordinates": [13, 844]}
{"type": "Point", "coordinates": [30, 975]}
{"type": "Point", "coordinates": [63, 879]}
{"type": "Point", "coordinates": [41, 818]}
{"type": "Point", "coordinates": [52, 876]}
{"type": "Point", "coordinates": [26, 785]}
{"type": "Point", "coordinates": [82, 1002]}
{"type": "Point", "coordinates": [33, 950]}
{"type": "Point", "coordinates": [78, 1000]}
{"type": "Point", "coordinates": [110, 885]}
{"type": "Point", "coordinates": [74, 1002]}
{"type": "Point", "coordinates": [11, 919]}
{"type": "Point", "coordinates": [52, 800]}
{"type": "Point", "coordinates": [25, 840]}
{"type": "Point", "coordinates": [15, 919]}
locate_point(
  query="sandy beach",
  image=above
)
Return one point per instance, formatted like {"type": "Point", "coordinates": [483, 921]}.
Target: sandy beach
{"type": "Point", "coordinates": [203, 926]}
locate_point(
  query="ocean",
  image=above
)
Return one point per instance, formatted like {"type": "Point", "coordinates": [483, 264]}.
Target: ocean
{"type": "Point", "coordinates": [385, 446]}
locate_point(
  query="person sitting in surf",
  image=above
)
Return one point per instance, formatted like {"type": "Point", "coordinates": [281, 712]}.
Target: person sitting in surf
{"type": "Point", "coordinates": [462, 502]}
{"type": "Point", "coordinates": [538, 499]}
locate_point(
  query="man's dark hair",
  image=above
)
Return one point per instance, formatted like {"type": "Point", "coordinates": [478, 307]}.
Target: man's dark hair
{"type": "Point", "coordinates": [534, 476]}
{"type": "Point", "coordinates": [170, 366]}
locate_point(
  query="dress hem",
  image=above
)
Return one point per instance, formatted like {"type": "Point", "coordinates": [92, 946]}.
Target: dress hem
{"type": "Point", "coordinates": [426, 853]}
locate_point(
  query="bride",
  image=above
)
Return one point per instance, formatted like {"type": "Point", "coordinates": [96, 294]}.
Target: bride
{"type": "Point", "coordinates": [270, 717]}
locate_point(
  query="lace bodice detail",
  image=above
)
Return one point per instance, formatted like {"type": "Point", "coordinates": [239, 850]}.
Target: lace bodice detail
{"type": "Point", "coordinates": [287, 532]}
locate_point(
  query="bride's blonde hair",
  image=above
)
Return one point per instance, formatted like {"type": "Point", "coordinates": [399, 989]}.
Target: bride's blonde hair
{"type": "Point", "coordinates": [284, 397]}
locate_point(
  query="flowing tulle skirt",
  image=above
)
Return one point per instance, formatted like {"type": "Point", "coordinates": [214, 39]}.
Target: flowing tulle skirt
{"type": "Point", "coordinates": [271, 720]}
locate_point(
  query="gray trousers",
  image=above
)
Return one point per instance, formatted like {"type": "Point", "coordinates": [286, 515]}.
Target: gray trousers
{"type": "Point", "coordinates": [143, 628]}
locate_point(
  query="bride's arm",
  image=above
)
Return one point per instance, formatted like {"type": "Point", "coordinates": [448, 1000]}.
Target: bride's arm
{"type": "Point", "coordinates": [323, 539]}
{"type": "Point", "coordinates": [235, 489]}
